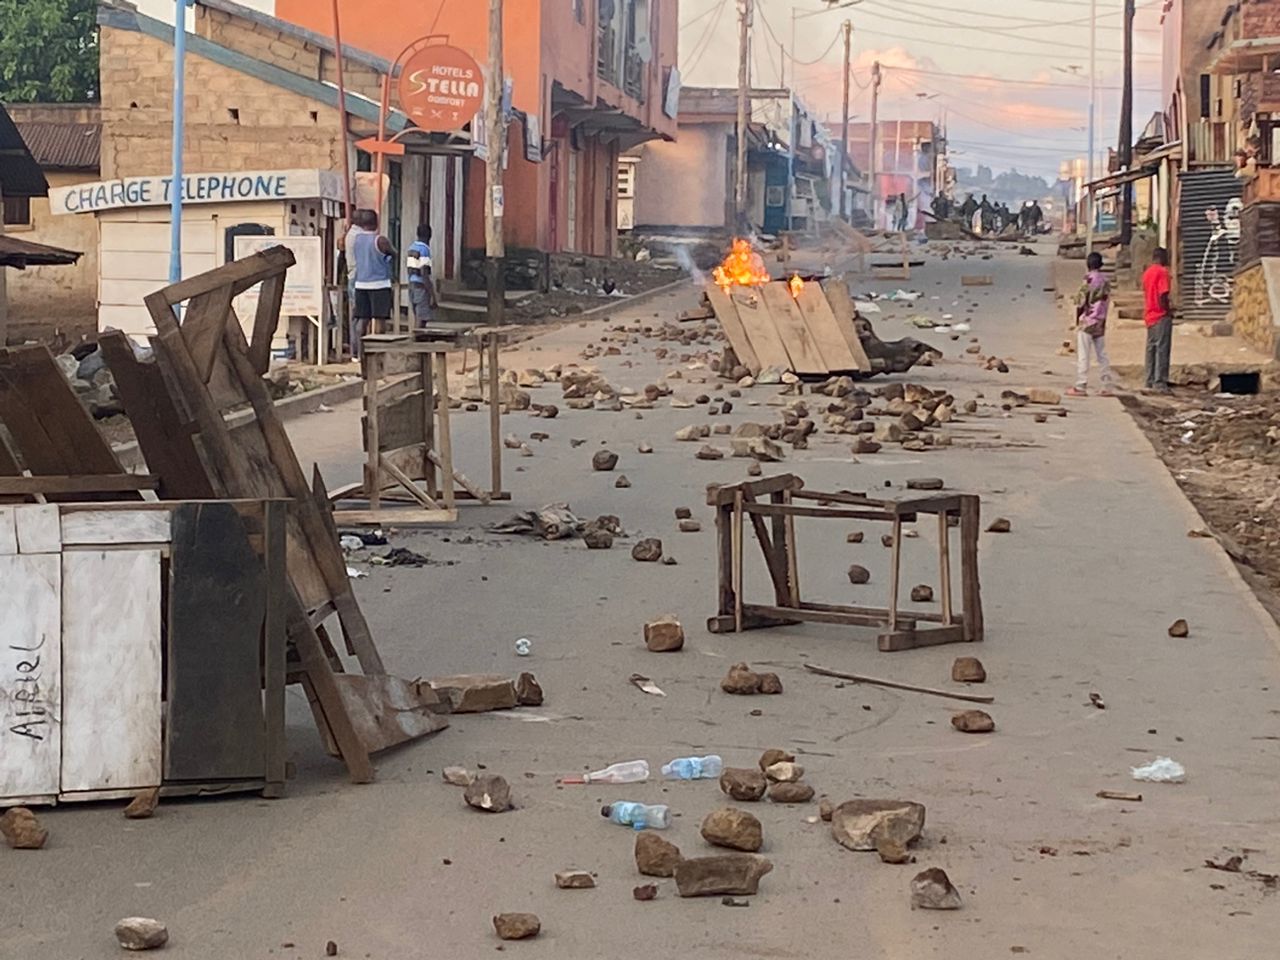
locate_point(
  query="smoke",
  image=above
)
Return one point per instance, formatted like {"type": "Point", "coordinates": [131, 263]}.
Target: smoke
{"type": "Point", "coordinates": [685, 259]}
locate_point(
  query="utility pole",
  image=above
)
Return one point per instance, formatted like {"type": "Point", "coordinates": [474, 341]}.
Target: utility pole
{"type": "Point", "coordinates": [875, 141]}
{"type": "Point", "coordinates": [1093, 112]}
{"type": "Point", "coordinates": [844, 121]}
{"type": "Point", "coordinates": [179, 128]}
{"type": "Point", "coordinates": [744, 82]}
{"type": "Point", "coordinates": [494, 243]}
{"type": "Point", "coordinates": [1126, 126]}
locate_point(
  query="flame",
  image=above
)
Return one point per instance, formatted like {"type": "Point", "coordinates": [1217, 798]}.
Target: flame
{"type": "Point", "coordinates": [796, 285]}
{"type": "Point", "coordinates": [742, 267]}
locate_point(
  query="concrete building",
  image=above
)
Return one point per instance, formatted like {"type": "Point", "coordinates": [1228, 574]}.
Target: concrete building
{"type": "Point", "coordinates": [56, 302]}
{"type": "Point", "coordinates": [592, 78]}
{"type": "Point", "coordinates": [910, 159]}
{"type": "Point", "coordinates": [1199, 106]}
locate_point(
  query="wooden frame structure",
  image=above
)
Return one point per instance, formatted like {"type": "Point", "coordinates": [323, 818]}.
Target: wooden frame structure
{"type": "Point", "coordinates": [408, 430]}
{"type": "Point", "coordinates": [774, 526]}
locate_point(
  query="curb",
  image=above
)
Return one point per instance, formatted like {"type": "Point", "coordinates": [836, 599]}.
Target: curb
{"type": "Point", "coordinates": [290, 408]}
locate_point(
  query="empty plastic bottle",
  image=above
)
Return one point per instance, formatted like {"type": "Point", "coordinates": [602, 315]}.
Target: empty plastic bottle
{"type": "Point", "coordinates": [628, 771]}
{"type": "Point", "coordinates": [693, 768]}
{"type": "Point", "coordinates": [639, 816]}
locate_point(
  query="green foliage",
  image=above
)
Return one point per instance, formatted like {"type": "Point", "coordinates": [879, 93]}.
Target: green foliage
{"type": "Point", "coordinates": [48, 50]}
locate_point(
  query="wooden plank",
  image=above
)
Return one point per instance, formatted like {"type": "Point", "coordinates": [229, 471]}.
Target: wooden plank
{"type": "Point", "coordinates": [839, 513]}
{"type": "Point", "coordinates": [806, 358]}
{"type": "Point", "coordinates": [921, 637]}
{"type": "Point", "coordinates": [372, 364]}
{"type": "Point", "coordinates": [406, 483]}
{"type": "Point", "coordinates": [215, 727]}
{"type": "Point", "coordinates": [726, 598]}
{"type": "Point", "coordinates": [30, 677]}
{"type": "Point", "coordinates": [844, 310]}
{"type": "Point", "coordinates": [400, 421]}
{"type": "Point", "coordinates": [239, 275]}
{"type": "Point", "coordinates": [274, 647]}
{"type": "Point", "coordinates": [839, 346]}
{"type": "Point", "coordinates": [495, 419]}
{"type": "Point", "coordinates": [115, 527]}
{"type": "Point", "coordinates": [806, 614]}
{"type": "Point", "coordinates": [970, 586]}
{"type": "Point", "coordinates": [723, 494]}
{"type": "Point", "coordinates": [895, 685]}
{"type": "Point", "coordinates": [37, 525]}
{"type": "Point", "coordinates": [445, 436]}
{"type": "Point", "coordinates": [727, 313]}
{"type": "Point", "coordinates": [265, 321]}
{"type": "Point", "coordinates": [757, 321]}
{"type": "Point", "coordinates": [469, 489]}
{"type": "Point", "coordinates": [980, 280]}
{"type": "Point", "coordinates": [92, 483]}
{"type": "Point", "coordinates": [427, 375]}
{"type": "Point", "coordinates": [111, 714]}
{"type": "Point", "coordinates": [393, 515]}
{"type": "Point", "coordinates": [387, 711]}
{"type": "Point", "coordinates": [8, 532]}
{"type": "Point", "coordinates": [202, 326]}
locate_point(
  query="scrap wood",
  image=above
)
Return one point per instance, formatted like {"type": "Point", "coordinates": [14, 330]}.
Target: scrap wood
{"type": "Point", "coordinates": [1119, 795]}
{"type": "Point", "coordinates": [893, 684]}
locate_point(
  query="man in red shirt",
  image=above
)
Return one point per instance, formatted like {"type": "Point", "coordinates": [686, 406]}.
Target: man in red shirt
{"type": "Point", "coordinates": [1159, 320]}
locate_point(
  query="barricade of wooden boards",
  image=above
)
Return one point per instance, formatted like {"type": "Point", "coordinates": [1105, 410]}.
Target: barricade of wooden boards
{"type": "Point", "coordinates": [811, 333]}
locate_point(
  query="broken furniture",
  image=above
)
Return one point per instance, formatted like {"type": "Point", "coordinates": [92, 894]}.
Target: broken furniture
{"type": "Point", "coordinates": [144, 648]}
{"type": "Point", "coordinates": [774, 526]}
{"type": "Point", "coordinates": [811, 328]}
{"type": "Point", "coordinates": [408, 430]}
{"type": "Point", "coordinates": [176, 401]}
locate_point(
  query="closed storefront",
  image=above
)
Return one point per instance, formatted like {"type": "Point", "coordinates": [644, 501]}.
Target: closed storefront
{"type": "Point", "coordinates": [1209, 209]}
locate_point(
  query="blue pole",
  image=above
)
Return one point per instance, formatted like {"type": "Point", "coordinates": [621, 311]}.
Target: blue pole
{"type": "Point", "coordinates": [179, 114]}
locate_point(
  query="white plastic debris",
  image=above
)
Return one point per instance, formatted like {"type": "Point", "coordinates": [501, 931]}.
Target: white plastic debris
{"type": "Point", "coordinates": [350, 542]}
{"type": "Point", "coordinates": [1161, 770]}
{"type": "Point", "coordinates": [355, 574]}
{"type": "Point", "coordinates": [524, 646]}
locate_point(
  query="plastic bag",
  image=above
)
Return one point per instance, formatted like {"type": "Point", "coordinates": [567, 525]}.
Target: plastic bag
{"type": "Point", "coordinates": [1161, 770]}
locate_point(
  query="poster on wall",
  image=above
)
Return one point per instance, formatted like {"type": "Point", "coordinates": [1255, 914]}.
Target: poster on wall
{"type": "Point", "coordinates": [304, 282]}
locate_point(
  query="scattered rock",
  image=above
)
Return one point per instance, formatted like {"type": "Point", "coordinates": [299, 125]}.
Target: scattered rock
{"type": "Point", "coordinates": [760, 448]}
{"type": "Point", "coordinates": [644, 448]}
{"type": "Point", "coordinates": [743, 783]}
{"type": "Point", "coordinates": [656, 857]}
{"type": "Point", "coordinates": [754, 469]}
{"type": "Point", "coordinates": [791, 793]}
{"type": "Point", "coordinates": [863, 445]}
{"type": "Point", "coordinates": [770, 684]}
{"type": "Point", "coordinates": [734, 875]}
{"type": "Point", "coordinates": [476, 692]}
{"type": "Point", "coordinates": [825, 809]}
{"type": "Point", "coordinates": [889, 432]}
{"type": "Point", "coordinates": [664, 635]}
{"type": "Point", "coordinates": [922, 593]}
{"type": "Point", "coordinates": [648, 891]}
{"type": "Point", "coordinates": [785, 771]}
{"type": "Point", "coordinates": [774, 755]}
{"type": "Point", "coordinates": [597, 538]}
{"type": "Point", "coordinates": [528, 690]}
{"type": "Point", "coordinates": [1000, 525]}
{"type": "Point", "coordinates": [968, 670]}
{"type": "Point", "coordinates": [932, 890]}
{"type": "Point", "coordinates": [859, 575]}
{"type": "Point", "coordinates": [141, 933]}
{"type": "Point", "coordinates": [622, 483]}
{"type": "Point", "coordinates": [733, 828]}
{"type": "Point", "coordinates": [709, 452]}
{"type": "Point", "coordinates": [683, 513]}
{"type": "Point", "coordinates": [1179, 629]}
{"type": "Point", "coordinates": [488, 792]}
{"type": "Point", "coordinates": [857, 824]}
{"type": "Point", "coordinates": [512, 442]}
{"type": "Point", "coordinates": [604, 460]}
{"type": "Point", "coordinates": [330, 948]}
{"type": "Point", "coordinates": [886, 540]}
{"type": "Point", "coordinates": [856, 537]}
{"type": "Point", "coordinates": [22, 830]}
{"type": "Point", "coordinates": [1043, 395]}
{"type": "Point", "coordinates": [575, 880]}
{"type": "Point", "coordinates": [143, 806]}
{"type": "Point", "coordinates": [648, 550]}
{"type": "Point", "coordinates": [689, 526]}
{"type": "Point", "coordinates": [517, 926]}
{"type": "Point", "coordinates": [892, 851]}
{"type": "Point", "coordinates": [457, 776]}
{"type": "Point", "coordinates": [692, 433]}
{"type": "Point", "coordinates": [741, 680]}
{"type": "Point", "coordinates": [925, 483]}
{"type": "Point", "coordinates": [973, 721]}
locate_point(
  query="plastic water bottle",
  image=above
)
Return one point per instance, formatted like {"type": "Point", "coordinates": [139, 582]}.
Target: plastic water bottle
{"type": "Point", "coordinates": [639, 816]}
{"type": "Point", "coordinates": [628, 771]}
{"type": "Point", "coordinates": [693, 768]}
{"type": "Point", "coordinates": [524, 647]}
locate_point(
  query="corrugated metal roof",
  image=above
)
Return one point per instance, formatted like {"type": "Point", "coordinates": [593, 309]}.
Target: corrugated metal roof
{"type": "Point", "coordinates": [23, 253]}
{"type": "Point", "coordinates": [63, 146]}
{"type": "Point", "coordinates": [20, 175]}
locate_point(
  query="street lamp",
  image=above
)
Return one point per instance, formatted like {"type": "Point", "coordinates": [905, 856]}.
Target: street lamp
{"type": "Point", "coordinates": [797, 15]}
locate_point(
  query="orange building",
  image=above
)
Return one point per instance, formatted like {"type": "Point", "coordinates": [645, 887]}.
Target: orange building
{"type": "Point", "coordinates": [590, 79]}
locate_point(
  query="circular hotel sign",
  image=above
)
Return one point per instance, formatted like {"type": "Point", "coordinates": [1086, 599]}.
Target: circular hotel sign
{"type": "Point", "coordinates": [441, 88]}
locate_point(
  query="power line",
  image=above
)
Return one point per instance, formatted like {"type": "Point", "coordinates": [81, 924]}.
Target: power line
{"type": "Point", "coordinates": [1003, 80]}
{"type": "Point", "coordinates": [704, 42]}
{"type": "Point", "coordinates": [702, 16]}
{"type": "Point", "coordinates": [1035, 55]}
{"type": "Point", "coordinates": [1030, 22]}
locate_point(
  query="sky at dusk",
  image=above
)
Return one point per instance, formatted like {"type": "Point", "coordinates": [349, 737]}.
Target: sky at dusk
{"type": "Point", "coordinates": [1010, 80]}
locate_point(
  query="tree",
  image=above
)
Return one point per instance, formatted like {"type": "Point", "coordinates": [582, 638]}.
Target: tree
{"type": "Point", "coordinates": [48, 50]}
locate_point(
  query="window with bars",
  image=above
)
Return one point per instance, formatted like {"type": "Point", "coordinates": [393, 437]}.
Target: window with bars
{"type": "Point", "coordinates": [17, 211]}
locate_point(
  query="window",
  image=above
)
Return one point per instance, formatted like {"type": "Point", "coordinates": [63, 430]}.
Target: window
{"type": "Point", "coordinates": [1206, 96]}
{"type": "Point", "coordinates": [17, 211]}
{"type": "Point", "coordinates": [579, 11]}
{"type": "Point", "coordinates": [626, 181]}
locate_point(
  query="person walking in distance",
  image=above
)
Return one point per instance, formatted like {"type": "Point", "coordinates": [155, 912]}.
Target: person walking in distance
{"type": "Point", "coordinates": [422, 288]}
{"type": "Point", "coordinates": [373, 255]}
{"type": "Point", "coordinates": [1092, 304]}
{"type": "Point", "coordinates": [1158, 315]}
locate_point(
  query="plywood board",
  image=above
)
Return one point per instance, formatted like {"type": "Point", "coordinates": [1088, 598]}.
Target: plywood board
{"type": "Point", "coordinates": [806, 358]}
{"type": "Point", "coordinates": [93, 527]}
{"type": "Point", "coordinates": [758, 324]}
{"type": "Point", "coordinates": [111, 715]}
{"type": "Point", "coordinates": [30, 677]}
{"type": "Point", "coordinates": [217, 602]}
{"type": "Point", "coordinates": [38, 528]}
{"type": "Point", "coordinates": [8, 532]}
{"type": "Point", "coordinates": [841, 353]}
{"type": "Point", "coordinates": [727, 313]}
{"type": "Point", "coordinates": [387, 711]}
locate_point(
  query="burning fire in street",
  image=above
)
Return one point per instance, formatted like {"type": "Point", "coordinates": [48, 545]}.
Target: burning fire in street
{"type": "Point", "coordinates": [796, 285]}
{"type": "Point", "coordinates": [742, 267]}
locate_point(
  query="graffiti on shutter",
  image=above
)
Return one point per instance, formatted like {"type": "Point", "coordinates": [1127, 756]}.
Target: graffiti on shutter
{"type": "Point", "coordinates": [1210, 236]}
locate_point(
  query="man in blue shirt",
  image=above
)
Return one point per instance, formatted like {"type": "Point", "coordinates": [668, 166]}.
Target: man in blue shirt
{"type": "Point", "coordinates": [372, 256]}
{"type": "Point", "coordinates": [422, 290]}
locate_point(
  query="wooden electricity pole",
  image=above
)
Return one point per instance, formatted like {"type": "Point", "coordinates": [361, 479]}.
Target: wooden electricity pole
{"type": "Point", "coordinates": [744, 83]}
{"type": "Point", "coordinates": [1126, 127]}
{"type": "Point", "coordinates": [496, 133]}
{"type": "Point", "coordinates": [844, 123]}
{"type": "Point", "coordinates": [875, 142]}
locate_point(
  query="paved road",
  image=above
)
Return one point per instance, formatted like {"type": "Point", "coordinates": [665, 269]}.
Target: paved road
{"type": "Point", "coordinates": [1078, 598]}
